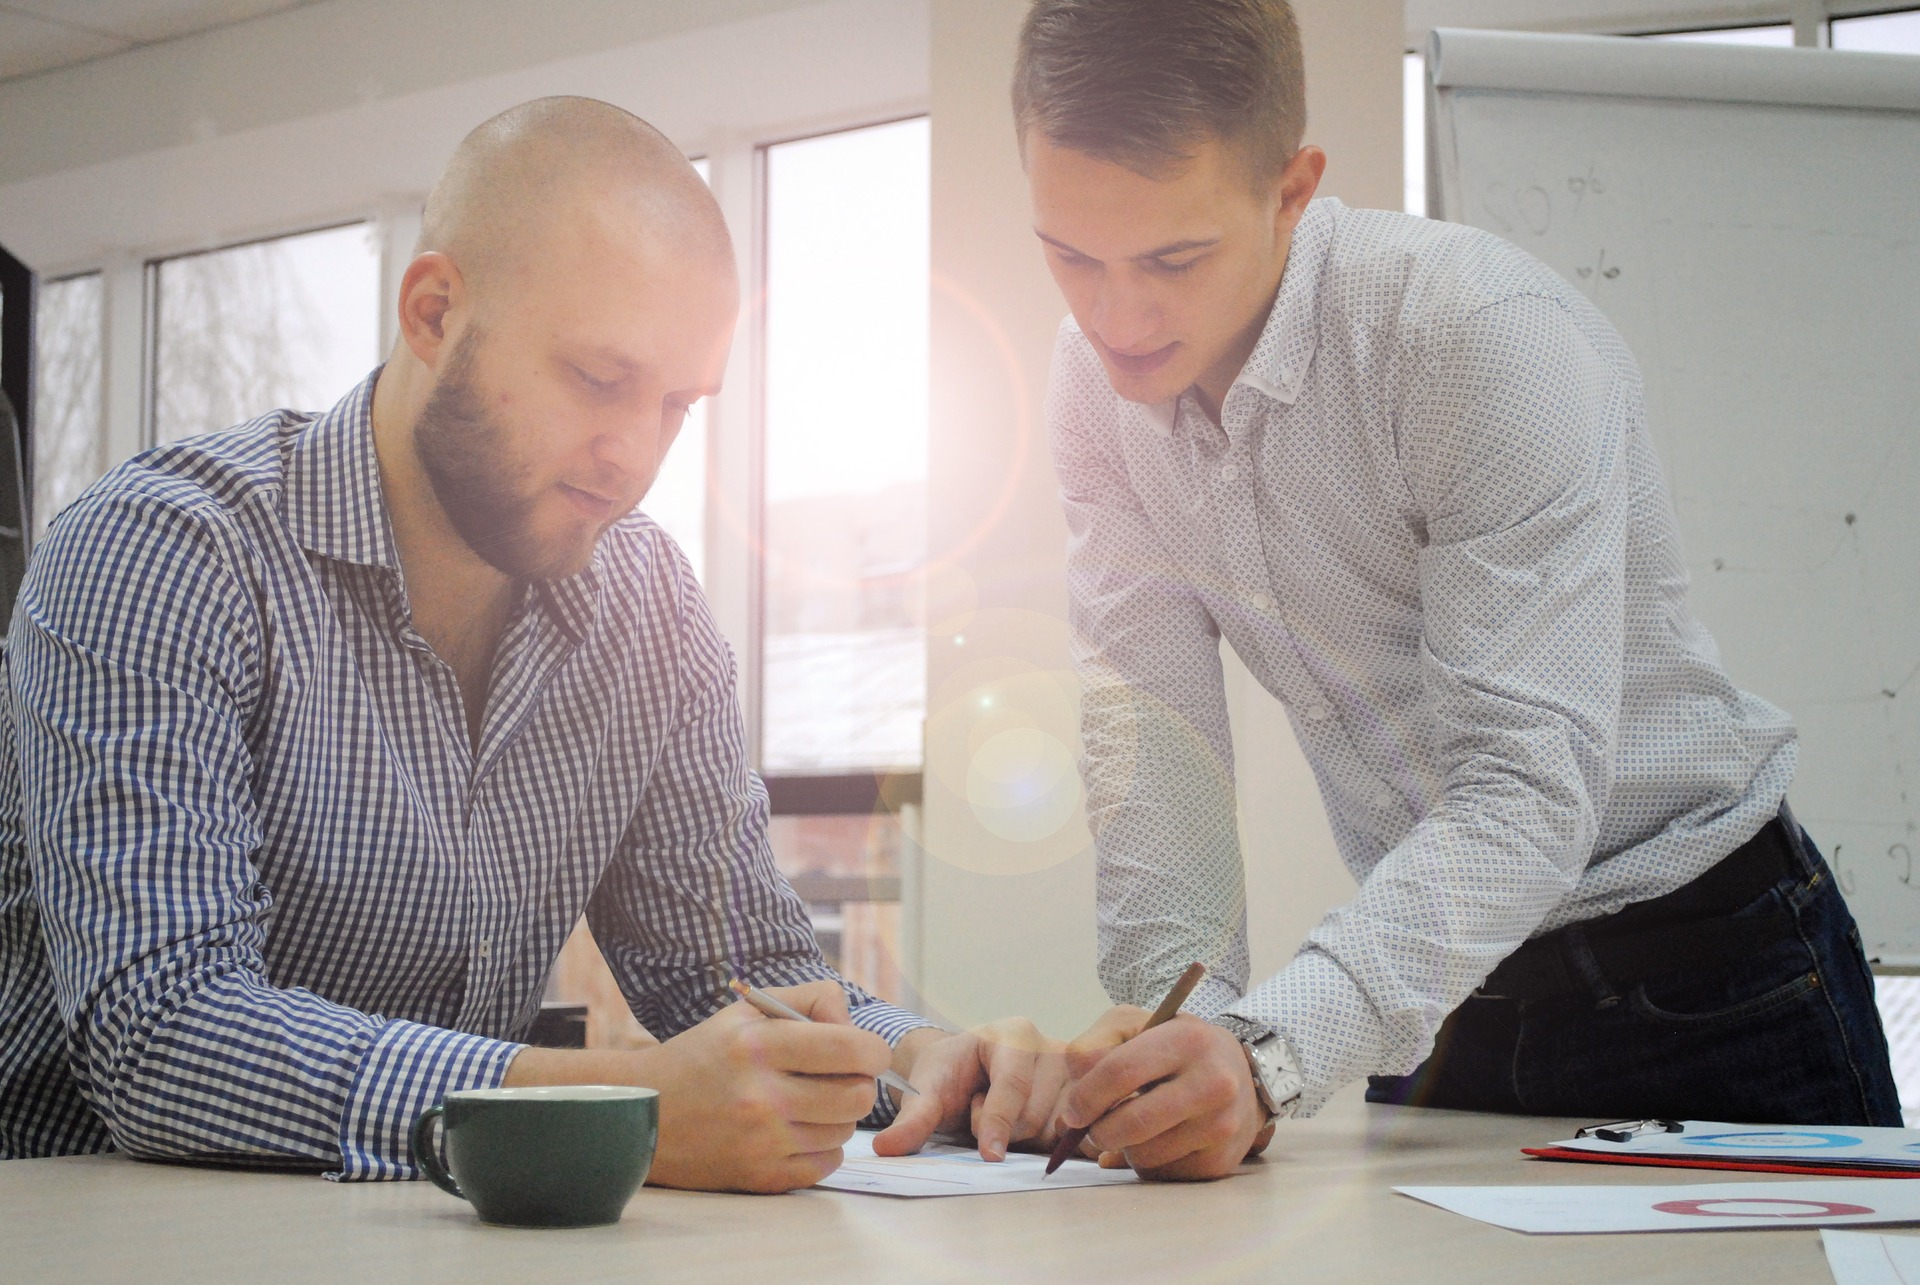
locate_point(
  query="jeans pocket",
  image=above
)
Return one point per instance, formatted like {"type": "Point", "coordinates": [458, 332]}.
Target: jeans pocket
{"type": "Point", "coordinates": [1739, 1011]}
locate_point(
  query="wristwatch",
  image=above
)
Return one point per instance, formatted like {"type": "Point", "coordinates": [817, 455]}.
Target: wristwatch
{"type": "Point", "coordinates": [1277, 1081]}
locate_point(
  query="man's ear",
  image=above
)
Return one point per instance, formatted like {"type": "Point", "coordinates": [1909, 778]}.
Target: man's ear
{"type": "Point", "coordinates": [431, 290]}
{"type": "Point", "coordinates": [1295, 186]}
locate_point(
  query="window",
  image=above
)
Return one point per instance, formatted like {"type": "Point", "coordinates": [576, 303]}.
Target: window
{"type": "Point", "coordinates": [293, 322]}
{"type": "Point", "coordinates": [69, 367]}
{"type": "Point", "coordinates": [1415, 84]}
{"type": "Point", "coordinates": [843, 674]}
{"type": "Point", "coordinates": [1778, 37]}
{"type": "Point", "coordinates": [847, 870]}
{"type": "Point", "coordinates": [1884, 33]}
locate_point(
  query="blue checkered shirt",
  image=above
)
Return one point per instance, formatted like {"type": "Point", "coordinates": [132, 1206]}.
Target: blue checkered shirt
{"type": "Point", "coordinates": [260, 899]}
{"type": "Point", "coordinates": [1431, 523]}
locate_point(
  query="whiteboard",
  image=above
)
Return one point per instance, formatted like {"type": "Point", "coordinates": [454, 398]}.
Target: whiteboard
{"type": "Point", "coordinates": [1750, 220]}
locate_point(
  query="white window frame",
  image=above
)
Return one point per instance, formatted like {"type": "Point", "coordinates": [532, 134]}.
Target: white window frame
{"type": "Point", "coordinates": [729, 130]}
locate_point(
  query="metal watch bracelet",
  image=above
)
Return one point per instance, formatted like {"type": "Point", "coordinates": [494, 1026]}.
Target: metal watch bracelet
{"type": "Point", "coordinates": [1277, 1080]}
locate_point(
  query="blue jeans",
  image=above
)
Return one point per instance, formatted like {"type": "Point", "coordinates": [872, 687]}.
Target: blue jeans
{"type": "Point", "coordinates": [1781, 1031]}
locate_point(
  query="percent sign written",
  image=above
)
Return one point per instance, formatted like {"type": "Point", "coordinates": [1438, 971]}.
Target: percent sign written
{"type": "Point", "coordinates": [1599, 268]}
{"type": "Point", "coordinates": [1581, 184]}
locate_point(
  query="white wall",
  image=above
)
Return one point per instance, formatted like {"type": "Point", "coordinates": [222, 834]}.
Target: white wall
{"type": "Point", "coordinates": [1008, 904]}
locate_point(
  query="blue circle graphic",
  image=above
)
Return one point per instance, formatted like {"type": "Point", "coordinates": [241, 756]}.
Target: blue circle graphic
{"type": "Point", "coordinates": [1775, 1140]}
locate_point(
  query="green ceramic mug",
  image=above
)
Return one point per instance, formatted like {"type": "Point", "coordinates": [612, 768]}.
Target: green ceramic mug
{"type": "Point", "coordinates": [567, 1156]}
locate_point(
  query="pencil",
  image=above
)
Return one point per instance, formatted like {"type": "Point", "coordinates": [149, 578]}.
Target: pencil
{"type": "Point", "coordinates": [772, 1007]}
{"type": "Point", "coordinates": [1070, 1140]}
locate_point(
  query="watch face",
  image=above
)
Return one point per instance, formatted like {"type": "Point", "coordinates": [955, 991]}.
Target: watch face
{"type": "Point", "coordinates": [1279, 1083]}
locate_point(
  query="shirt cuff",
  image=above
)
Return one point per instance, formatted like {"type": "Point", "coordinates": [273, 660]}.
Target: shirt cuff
{"type": "Point", "coordinates": [890, 1024]}
{"type": "Point", "coordinates": [408, 1068]}
{"type": "Point", "coordinates": [1327, 1019]}
{"type": "Point", "coordinates": [1211, 998]}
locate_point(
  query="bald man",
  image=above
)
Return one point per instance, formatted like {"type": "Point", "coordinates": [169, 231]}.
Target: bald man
{"type": "Point", "coordinates": [330, 727]}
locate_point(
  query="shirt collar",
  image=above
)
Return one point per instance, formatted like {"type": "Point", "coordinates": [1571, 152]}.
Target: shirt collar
{"type": "Point", "coordinates": [337, 508]}
{"type": "Point", "coordinates": [1278, 364]}
{"type": "Point", "coordinates": [574, 603]}
{"type": "Point", "coordinates": [1277, 367]}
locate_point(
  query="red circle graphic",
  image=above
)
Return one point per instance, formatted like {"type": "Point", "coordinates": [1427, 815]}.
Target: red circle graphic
{"type": "Point", "coordinates": [1814, 1208]}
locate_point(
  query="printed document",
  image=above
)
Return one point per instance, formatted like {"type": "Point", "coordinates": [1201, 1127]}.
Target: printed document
{"type": "Point", "coordinates": [939, 1170]}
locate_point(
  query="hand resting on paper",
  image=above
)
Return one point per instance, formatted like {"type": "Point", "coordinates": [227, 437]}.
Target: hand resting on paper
{"type": "Point", "coordinates": [1001, 1083]}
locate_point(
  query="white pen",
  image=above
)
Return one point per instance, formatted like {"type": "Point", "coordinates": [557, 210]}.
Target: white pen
{"type": "Point", "coordinates": [787, 1013]}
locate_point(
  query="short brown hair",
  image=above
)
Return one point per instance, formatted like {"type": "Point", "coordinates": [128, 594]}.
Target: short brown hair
{"type": "Point", "coordinates": [1141, 82]}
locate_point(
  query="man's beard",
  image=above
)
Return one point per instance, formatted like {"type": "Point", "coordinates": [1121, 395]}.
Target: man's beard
{"type": "Point", "coordinates": [463, 450]}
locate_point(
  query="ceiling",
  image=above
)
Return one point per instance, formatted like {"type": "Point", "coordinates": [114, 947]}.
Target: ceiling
{"type": "Point", "coordinates": [39, 35]}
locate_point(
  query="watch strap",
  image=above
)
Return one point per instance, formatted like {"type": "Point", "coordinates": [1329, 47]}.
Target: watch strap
{"type": "Point", "coordinates": [1277, 1081]}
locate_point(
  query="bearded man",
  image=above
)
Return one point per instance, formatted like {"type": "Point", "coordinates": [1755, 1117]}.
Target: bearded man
{"type": "Point", "coordinates": [330, 728]}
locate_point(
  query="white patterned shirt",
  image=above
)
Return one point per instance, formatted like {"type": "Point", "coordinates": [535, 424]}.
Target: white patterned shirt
{"type": "Point", "coordinates": [1431, 523]}
{"type": "Point", "coordinates": [286, 904]}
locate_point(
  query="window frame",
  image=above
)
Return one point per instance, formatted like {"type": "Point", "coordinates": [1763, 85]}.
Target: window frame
{"type": "Point", "coordinates": [1867, 13]}
{"type": "Point", "coordinates": [797, 793]}
{"type": "Point", "coordinates": [152, 319]}
{"type": "Point", "coordinates": [735, 465]}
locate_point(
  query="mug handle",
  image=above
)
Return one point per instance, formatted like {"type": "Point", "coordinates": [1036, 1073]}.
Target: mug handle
{"type": "Point", "coordinates": [427, 1156]}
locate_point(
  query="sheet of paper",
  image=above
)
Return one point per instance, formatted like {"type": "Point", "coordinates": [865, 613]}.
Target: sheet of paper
{"type": "Point", "coordinates": [1863, 1258]}
{"type": "Point", "coordinates": [959, 1171]}
{"type": "Point", "coordinates": [1706, 1139]}
{"type": "Point", "coordinates": [1709, 1206]}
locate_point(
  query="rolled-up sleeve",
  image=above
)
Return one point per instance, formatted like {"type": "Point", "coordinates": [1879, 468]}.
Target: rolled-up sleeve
{"type": "Point", "coordinates": [135, 665]}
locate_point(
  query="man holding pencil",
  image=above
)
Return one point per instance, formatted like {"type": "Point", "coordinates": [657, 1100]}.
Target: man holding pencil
{"type": "Point", "coordinates": [329, 728]}
{"type": "Point", "coordinates": [1404, 470]}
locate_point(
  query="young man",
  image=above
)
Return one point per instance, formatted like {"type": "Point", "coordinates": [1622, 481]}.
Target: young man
{"type": "Point", "coordinates": [1404, 470]}
{"type": "Point", "coordinates": [329, 728]}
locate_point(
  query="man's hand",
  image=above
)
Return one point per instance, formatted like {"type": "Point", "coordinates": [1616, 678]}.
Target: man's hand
{"type": "Point", "coordinates": [1195, 1116]}
{"type": "Point", "coordinates": [747, 1102]}
{"type": "Point", "coordinates": [1000, 1082]}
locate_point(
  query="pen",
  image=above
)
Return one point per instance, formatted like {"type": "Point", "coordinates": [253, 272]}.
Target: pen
{"type": "Point", "coordinates": [774, 1008]}
{"type": "Point", "coordinates": [1070, 1140]}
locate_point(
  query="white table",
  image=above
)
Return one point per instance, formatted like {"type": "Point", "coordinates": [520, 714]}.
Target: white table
{"type": "Point", "coordinates": [1320, 1208]}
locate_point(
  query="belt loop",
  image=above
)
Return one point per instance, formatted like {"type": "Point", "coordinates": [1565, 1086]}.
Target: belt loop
{"type": "Point", "coordinates": [1581, 965]}
{"type": "Point", "coordinates": [1797, 846]}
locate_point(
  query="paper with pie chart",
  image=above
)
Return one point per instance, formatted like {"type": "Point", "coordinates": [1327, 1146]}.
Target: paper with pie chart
{"type": "Point", "coordinates": [1825, 1146]}
{"type": "Point", "coordinates": [1709, 1206]}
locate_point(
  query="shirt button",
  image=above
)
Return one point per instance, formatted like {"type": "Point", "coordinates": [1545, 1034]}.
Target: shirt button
{"type": "Point", "coordinates": [1261, 601]}
{"type": "Point", "coordinates": [1318, 713]}
{"type": "Point", "coordinates": [486, 948]}
{"type": "Point", "coordinates": [1229, 473]}
{"type": "Point", "coordinates": [1383, 799]}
